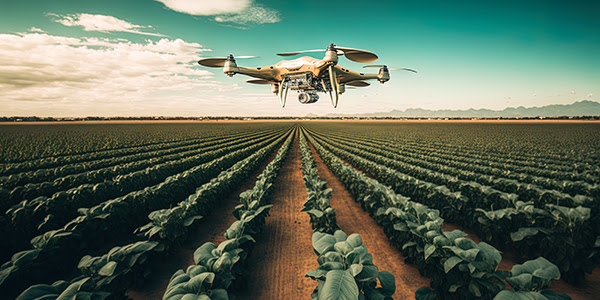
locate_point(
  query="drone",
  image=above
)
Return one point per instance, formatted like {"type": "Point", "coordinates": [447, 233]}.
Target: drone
{"type": "Point", "coordinates": [308, 75]}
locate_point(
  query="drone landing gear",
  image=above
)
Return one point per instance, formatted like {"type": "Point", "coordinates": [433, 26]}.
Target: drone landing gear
{"type": "Point", "coordinates": [283, 93]}
{"type": "Point", "coordinates": [334, 92]}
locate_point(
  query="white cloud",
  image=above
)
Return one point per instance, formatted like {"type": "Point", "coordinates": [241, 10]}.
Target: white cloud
{"type": "Point", "coordinates": [100, 23]}
{"type": "Point", "coordinates": [207, 7]}
{"type": "Point", "coordinates": [256, 14]}
{"type": "Point", "coordinates": [242, 12]}
{"type": "Point", "coordinates": [35, 29]}
{"type": "Point", "coordinates": [43, 74]}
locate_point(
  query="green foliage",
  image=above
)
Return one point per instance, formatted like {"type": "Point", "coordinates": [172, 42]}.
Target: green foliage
{"type": "Point", "coordinates": [322, 215]}
{"type": "Point", "coordinates": [346, 269]}
{"type": "Point", "coordinates": [460, 268]}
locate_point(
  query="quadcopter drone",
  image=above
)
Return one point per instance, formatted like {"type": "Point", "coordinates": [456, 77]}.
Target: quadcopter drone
{"type": "Point", "coordinates": [308, 75]}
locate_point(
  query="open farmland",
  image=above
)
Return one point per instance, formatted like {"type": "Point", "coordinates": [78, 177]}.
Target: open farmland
{"type": "Point", "coordinates": [283, 210]}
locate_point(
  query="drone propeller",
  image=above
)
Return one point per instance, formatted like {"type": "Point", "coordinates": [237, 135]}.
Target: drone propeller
{"type": "Point", "coordinates": [216, 62]}
{"type": "Point", "coordinates": [258, 81]}
{"type": "Point", "coordinates": [389, 69]}
{"type": "Point", "coordinates": [358, 83]}
{"type": "Point", "coordinates": [353, 54]}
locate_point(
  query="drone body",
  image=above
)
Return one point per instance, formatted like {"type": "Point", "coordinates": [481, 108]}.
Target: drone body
{"type": "Point", "coordinates": [308, 75]}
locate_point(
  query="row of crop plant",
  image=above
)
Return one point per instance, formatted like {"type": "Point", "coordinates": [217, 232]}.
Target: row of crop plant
{"type": "Point", "coordinates": [99, 139]}
{"type": "Point", "coordinates": [453, 153]}
{"type": "Point", "coordinates": [459, 267]}
{"type": "Point", "coordinates": [458, 180]}
{"type": "Point", "coordinates": [577, 152]}
{"type": "Point", "coordinates": [31, 217]}
{"type": "Point", "coordinates": [122, 267]}
{"type": "Point", "coordinates": [38, 181]}
{"type": "Point", "coordinates": [220, 270]}
{"type": "Point", "coordinates": [525, 184]}
{"type": "Point", "coordinates": [449, 162]}
{"type": "Point", "coordinates": [55, 252]}
{"type": "Point", "coordinates": [570, 234]}
{"type": "Point", "coordinates": [346, 270]}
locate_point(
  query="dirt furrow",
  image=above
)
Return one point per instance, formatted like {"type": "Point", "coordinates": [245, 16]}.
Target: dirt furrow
{"type": "Point", "coordinates": [283, 252]}
{"type": "Point", "coordinates": [210, 229]}
{"type": "Point", "coordinates": [353, 219]}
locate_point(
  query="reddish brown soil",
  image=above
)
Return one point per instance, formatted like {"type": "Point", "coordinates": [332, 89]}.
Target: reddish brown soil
{"type": "Point", "coordinates": [588, 290]}
{"type": "Point", "coordinates": [210, 229]}
{"type": "Point", "coordinates": [353, 219]}
{"type": "Point", "coordinates": [284, 252]}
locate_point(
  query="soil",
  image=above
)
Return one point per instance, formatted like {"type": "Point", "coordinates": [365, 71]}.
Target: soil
{"type": "Point", "coordinates": [351, 218]}
{"type": "Point", "coordinates": [210, 229]}
{"type": "Point", "coordinates": [283, 252]}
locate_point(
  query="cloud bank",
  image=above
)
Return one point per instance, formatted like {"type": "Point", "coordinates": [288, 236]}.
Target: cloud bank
{"type": "Point", "coordinates": [46, 74]}
{"type": "Point", "coordinates": [241, 12]}
{"type": "Point", "coordinates": [100, 23]}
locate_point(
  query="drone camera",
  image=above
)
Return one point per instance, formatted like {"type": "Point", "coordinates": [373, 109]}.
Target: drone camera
{"type": "Point", "coordinates": [306, 98]}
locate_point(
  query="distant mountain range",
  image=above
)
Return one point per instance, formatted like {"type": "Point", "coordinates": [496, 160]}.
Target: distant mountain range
{"type": "Point", "coordinates": [581, 108]}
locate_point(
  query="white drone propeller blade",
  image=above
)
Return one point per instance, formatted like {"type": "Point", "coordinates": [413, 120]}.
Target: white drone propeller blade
{"type": "Point", "coordinates": [390, 69]}
{"type": "Point", "coordinates": [258, 81]}
{"type": "Point", "coordinates": [402, 69]}
{"type": "Point", "coordinates": [299, 52]}
{"type": "Point", "coordinates": [213, 62]}
{"type": "Point", "coordinates": [358, 83]}
{"type": "Point", "coordinates": [358, 55]}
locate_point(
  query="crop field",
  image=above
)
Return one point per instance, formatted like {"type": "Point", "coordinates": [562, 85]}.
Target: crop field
{"type": "Point", "coordinates": [300, 210]}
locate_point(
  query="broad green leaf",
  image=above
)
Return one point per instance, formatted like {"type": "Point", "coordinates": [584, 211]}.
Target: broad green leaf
{"type": "Point", "coordinates": [429, 249]}
{"type": "Point", "coordinates": [200, 283]}
{"type": "Point", "coordinates": [539, 267]}
{"type": "Point", "coordinates": [356, 269]}
{"type": "Point", "coordinates": [315, 213]}
{"type": "Point", "coordinates": [340, 236]}
{"type": "Point", "coordinates": [203, 253]}
{"type": "Point", "coordinates": [468, 255]}
{"type": "Point", "coordinates": [354, 240]}
{"type": "Point", "coordinates": [490, 254]}
{"type": "Point", "coordinates": [474, 288]}
{"type": "Point", "coordinates": [388, 283]}
{"type": "Point", "coordinates": [451, 262]}
{"type": "Point", "coordinates": [516, 295]}
{"type": "Point", "coordinates": [187, 222]}
{"type": "Point", "coordinates": [322, 242]}
{"type": "Point", "coordinates": [43, 290]}
{"type": "Point", "coordinates": [425, 293]}
{"type": "Point", "coordinates": [523, 233]}
{"type": "Point", "coordinates": [108, 269]}
{"type": "Point", "coordinates": [72, 290]}
{"type": "Point", "coordinates": [520, 281]}
{"type": "Point", "coordinates": [343, 247]}
{"type": "Point", "coordinates": [339, 285]}
{"type": "Point", "coordinates": [454, 234]}
{"type": "Point", "coordinates": [218, 294]}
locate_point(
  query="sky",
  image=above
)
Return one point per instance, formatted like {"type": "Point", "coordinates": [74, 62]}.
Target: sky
{"type": "Point", "coordinates": [74, 58]}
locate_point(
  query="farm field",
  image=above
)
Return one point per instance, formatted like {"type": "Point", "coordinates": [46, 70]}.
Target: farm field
{"type": "Point", "coordinates": [290, 210]}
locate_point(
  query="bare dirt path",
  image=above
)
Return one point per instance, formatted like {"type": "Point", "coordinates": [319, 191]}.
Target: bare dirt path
{"type": "Point", "coordinates": [283, 252]}
{"type": "Point", "coordinates": [353, 219]}
{"type": "Point", "coordinates": [210, 229]}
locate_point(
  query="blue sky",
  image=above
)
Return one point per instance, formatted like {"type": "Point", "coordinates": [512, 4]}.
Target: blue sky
{"type": "Point", "coordinates": [137, 57]}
